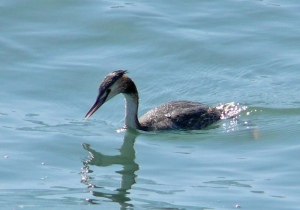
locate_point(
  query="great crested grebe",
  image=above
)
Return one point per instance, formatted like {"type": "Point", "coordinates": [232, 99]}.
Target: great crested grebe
{"type": "Point", "coordinates": [186, 115]}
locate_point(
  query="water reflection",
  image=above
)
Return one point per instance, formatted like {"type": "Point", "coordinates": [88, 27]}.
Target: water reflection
{"type": "Point", "coordinates": [126, 159]}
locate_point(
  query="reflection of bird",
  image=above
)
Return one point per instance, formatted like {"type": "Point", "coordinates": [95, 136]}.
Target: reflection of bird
{"type": "Point", "coordinates": [125, 158]}
{"type": "Point", "coordinates": [173, 115]}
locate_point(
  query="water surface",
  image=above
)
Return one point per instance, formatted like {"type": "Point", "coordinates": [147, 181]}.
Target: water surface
{"type": "Point", "coordinates": [54, 54]}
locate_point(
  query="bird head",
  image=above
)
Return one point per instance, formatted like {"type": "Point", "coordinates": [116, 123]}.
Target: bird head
{"type": "Point", "coordinates": [113, 84]}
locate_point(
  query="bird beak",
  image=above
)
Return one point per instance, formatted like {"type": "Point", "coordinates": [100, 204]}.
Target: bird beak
{"type": "Point", "coordinates": [100, 100]}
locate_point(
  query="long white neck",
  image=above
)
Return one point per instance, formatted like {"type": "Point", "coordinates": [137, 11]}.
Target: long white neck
{"type": "Point", "coordinates": [131, 111]}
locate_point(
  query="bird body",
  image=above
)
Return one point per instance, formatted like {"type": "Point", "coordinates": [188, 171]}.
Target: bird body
{"type": "Point", "coordinates": [186, 115]}
{"type": "Point", "coordinates": [173, 115]}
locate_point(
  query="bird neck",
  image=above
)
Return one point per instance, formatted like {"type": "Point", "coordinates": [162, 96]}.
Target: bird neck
{"type": "Point", "coordinates": [131, 110]}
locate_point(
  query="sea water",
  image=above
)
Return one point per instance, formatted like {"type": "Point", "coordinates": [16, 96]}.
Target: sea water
{"type": "Point", "coordinates": [54, 54]}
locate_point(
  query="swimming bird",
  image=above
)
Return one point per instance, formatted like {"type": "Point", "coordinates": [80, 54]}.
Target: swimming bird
{"type": "Point", "coordinates": [174, 115]}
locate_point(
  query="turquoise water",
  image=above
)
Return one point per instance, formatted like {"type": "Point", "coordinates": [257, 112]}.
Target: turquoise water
{"type": "Point", "coordinates": [54, 54]}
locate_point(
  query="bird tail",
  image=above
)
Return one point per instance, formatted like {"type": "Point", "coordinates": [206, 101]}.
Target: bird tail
{"type": "Point", "coordinates": [230, 110]}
